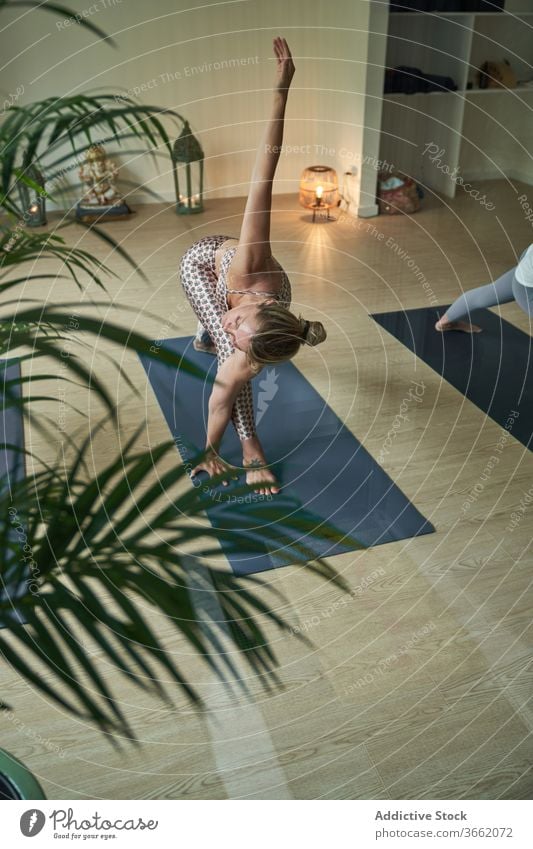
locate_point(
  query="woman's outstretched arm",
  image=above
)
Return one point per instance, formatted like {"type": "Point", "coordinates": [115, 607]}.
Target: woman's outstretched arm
{"type": "Point", "coordinates": [254, 239]}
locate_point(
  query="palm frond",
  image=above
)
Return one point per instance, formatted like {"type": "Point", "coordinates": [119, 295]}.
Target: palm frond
{"type": "Point", "coordinates": [45, 333]}
{"type": "Point", "coordinates": [82, 541]}
{"type": "Point", "coordinates": [63, 11]}
{"type": "Point", "coordinates": [31, 246]}
{"type": "Point", "coordinates": [100, 328]}
{"type": "Point", "coordinates": [116, 247]}
{"type": "Point", "coordinates": [31, 134]}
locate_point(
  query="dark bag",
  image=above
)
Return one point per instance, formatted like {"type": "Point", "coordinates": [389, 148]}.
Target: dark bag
{"type": "Point", "coordinates": [411, 5]}
{"type": "Point", "coordinates": [407, 80]}
{"type": "Point", "coordinates": [435, 82]}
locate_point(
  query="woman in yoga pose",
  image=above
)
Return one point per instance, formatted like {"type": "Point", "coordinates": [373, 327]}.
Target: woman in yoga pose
{"type": "Point", "coordinates": [241, 295]}
{"type": "Point", "coordinates": [515, 285]}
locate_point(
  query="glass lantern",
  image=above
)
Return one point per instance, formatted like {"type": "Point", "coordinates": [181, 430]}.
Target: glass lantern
{"type": "Point", "coordinates": [188, 152]}
{"type": "Point", "coordinates": [319, 189]}
{"type": "Point", "coordinates": [32, 200]}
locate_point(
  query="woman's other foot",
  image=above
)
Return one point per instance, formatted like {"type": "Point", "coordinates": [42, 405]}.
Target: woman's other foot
{"type": "Point", "coordinates": [444, 324]}
{"type": "Point", "coordinates": [206, 349]}
{"type": "Point", "coordinates": [257, 474]}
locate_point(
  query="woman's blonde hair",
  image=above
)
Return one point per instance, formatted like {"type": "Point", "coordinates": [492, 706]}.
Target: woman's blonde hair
{"type": "Point", "coordinates": [280, 334]}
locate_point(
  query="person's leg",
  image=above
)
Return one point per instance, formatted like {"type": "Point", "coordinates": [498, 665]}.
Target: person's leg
{"type": "Point", "coordinates": [199, 280]}
{"type": "Point", "coordinates": [491, 295]}
{"type": "Point", "coordinates": [524, 297]}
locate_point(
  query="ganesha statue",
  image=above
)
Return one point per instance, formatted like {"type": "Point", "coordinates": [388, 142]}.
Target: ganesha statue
{"type": "Point", "coordinates": [101, 199]}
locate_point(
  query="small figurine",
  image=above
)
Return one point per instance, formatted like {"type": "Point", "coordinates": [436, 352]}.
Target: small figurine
{"type": "Point", "coordinates": [101, 200]}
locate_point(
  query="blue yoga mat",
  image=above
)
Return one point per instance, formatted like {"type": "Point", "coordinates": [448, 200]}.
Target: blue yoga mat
{"type": "Point", "coordinates": [324, 471]}
{"type": "Point", "coordinates": [493, 369]}
{"type": "Point", "coordinates": [12, 465]}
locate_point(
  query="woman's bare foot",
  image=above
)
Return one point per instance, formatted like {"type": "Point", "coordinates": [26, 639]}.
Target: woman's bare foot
{"type": "Point", "coordinates": [257, 474]}
{"type": "Point", "coordinates": [206, 349]}
{"type": "Point", "coordinates": [443, 324]}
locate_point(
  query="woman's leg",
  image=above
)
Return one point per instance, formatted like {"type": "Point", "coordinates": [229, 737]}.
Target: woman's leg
{"type": "Point", "coordinates": [199, 280]}
{"type": "Point", "coordinates": [491, 295]}
{"type": "Point", "coordinates": [524, 297]}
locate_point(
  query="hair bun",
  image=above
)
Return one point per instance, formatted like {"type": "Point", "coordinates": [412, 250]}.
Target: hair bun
{"type": "Point", "coordinates": [313, 332]}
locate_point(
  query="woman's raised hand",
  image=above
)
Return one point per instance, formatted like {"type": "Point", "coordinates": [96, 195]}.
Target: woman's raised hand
{"type": "Point", "coordinates": [214, 465]}
{"type": "Point", "coordinates": [285, 66]}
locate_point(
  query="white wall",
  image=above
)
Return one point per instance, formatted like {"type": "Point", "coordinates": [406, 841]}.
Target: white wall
{"type": "Point", "coordinates": [498, 136]}
{"type": "Point", "coordinates": [498, 126]}
{"type": "Point", "coordinates": [158, 44]}
{"type": "Point", "coordinates": [373, 104]}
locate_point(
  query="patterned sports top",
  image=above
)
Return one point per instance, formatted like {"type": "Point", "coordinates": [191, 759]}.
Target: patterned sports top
{"type": "Point", "coordinates": [283, 295]}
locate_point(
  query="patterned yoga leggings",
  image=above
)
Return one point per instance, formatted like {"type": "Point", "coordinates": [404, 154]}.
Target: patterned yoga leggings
{"type": "Point", "coordinates": [207, 295]}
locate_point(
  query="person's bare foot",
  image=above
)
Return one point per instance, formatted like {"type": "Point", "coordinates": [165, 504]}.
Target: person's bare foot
{"type": "Point", "coordinates": [206, 349]}
{"type": "Point", "coordinates": [443, 324]}
{"type": "Point", "coordinates": [257, 473]}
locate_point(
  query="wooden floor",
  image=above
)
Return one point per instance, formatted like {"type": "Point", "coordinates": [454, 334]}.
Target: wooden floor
{"type": "Point", "coordinates": [418, 684]}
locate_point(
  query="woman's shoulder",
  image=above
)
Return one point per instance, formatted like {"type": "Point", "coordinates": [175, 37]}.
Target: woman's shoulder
{"type": "Point", "coordinates": [223, 253]}
{"type": "Point", "coordinates": [235, 369]}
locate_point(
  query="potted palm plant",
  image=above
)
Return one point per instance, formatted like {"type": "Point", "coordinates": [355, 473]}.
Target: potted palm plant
{"type": "Point", "coordinates": [81, 536]}
{"type": "Point", "coordinates": [16, 781]}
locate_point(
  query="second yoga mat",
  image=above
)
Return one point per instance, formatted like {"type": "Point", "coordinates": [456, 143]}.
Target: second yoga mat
{"type": "Point", "coordinates": [323, 469]}
{"type": "Point", "coordinates": [493, 369]}
{"type": "Point", "coordinates": [12, 469]}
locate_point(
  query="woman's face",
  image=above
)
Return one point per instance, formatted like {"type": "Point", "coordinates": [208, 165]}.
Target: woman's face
{"type": "Point", "coordinates": [241, 324]}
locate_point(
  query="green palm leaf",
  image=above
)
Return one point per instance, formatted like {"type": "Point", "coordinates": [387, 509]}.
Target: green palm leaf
{"type": "Point", "coordinates": [63, 11]}
{"type": "Point", "coordinates": [30, 135]}
{"type": "Point", "coordinates": [80, 535]}
{"type": "Point", "coordinates": [43, 331]}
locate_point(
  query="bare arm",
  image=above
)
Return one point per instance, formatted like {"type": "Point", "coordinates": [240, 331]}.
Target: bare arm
{"type": "Point", "coordinates": [232, 375]}
{"type": "Point", "coordinates": [254, 239]}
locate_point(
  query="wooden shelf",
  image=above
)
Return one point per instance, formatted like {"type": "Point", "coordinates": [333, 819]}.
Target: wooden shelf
{"type": "Point", "coordinates": [455, 44]}
{"type": "Point", "coordinates": [459, 91]}
{"type": "Point", "coordinates": [417, 93]}
{"type": "Point", "coordinates": [517, 89]}
{"type": "Point", "coordinates": [504, 14]}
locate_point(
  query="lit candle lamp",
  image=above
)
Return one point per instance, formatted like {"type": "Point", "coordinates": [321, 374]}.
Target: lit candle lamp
{"type": "Point", "coordinates": [33, 202]}
{"type": "Point", "coordinates": [318, 190]}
